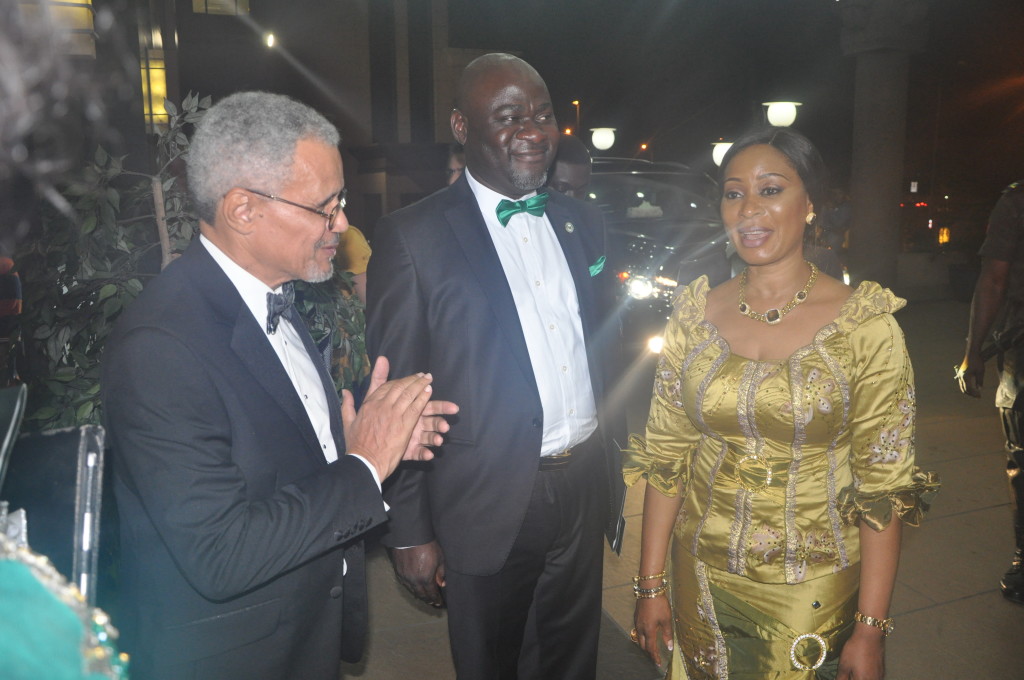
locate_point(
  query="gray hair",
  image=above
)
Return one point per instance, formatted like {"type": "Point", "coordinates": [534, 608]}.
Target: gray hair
{"type": "Point", "coordinates": [248, 140]}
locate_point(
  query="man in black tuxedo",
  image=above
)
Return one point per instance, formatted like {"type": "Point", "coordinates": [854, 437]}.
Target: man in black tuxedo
{"type": "Point", "coordinates": [497, 295]}
{"type": "Point", "coordinates": [244, 487]}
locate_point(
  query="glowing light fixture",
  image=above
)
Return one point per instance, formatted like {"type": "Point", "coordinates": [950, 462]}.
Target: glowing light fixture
{"type": "Point", "coordinates": [719, 151]}
{"type": "Point", "coordinates": [640, 288]}
{"type": "Point", "coordinates": [269, 40]}
{"type": "Point", "coordinates": [782, 114]}
{"type": "Point", "coordinates": [602, 138]}
{"type": "Point", "coordinates": [655, 344]}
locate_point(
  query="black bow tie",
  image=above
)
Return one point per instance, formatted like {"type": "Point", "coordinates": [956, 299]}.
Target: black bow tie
{"type": "Point", "coordinates": [280, 304]}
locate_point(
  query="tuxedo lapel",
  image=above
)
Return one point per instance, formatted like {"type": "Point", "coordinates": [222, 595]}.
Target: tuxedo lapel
{"type": "Point", "coordinates": [250, 344]}
{"type": "Point", "coordinates": [471, 233]}
{"type": "Point", "coordinates": [573, 234]}
{"type": "Point", "coordinates": [333, 402]}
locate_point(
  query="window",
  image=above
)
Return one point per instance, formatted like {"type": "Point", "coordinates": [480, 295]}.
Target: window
{"type": "Point", "coordinates": [231, 7]}
{"type": "Point", "coordinates": [154, 89]}
{"type": "Point", "coordinates": [75, 17]}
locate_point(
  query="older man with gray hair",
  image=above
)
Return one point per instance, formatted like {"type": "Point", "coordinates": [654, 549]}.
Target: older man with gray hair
{"type": "Point", "coordinates": [244, 486]}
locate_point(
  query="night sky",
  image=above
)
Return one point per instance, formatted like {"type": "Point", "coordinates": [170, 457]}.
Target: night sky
{"type": "Point", "coordinates": [682, 73]}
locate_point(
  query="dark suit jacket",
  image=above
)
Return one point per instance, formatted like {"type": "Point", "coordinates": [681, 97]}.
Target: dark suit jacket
{"type": "Point", "coordinates": [233, 526]}
{"type": "Point", "coordinates": [438, 301]}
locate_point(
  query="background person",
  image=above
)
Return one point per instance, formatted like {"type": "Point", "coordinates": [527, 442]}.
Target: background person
{"type": "Point", "coordinates": [504, 312]}
{"type": "Point", "coordinates": [456, 162]}
{"type": "Point", "coordinates": [353, 256]}
{"type": "Point", "coordinates": [242, 502]}
{"type": "Point", "coordinates": [779, 453]}
{"type": "Point", "coordinates": [570, 173]}
{"type": "Point", "coordinates": [999, 294]}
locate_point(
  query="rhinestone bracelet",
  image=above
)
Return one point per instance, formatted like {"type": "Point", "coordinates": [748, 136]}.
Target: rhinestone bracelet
{"type": "Point", "coordinates": [648, 593]}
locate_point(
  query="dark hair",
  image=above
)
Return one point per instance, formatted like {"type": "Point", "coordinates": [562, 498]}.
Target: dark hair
{"type": "Point", "coordinates": [800, 153]}
{"type": "Point", "coordinates": [572, 150]}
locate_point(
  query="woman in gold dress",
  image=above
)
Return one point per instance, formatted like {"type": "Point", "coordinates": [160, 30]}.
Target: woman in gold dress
{"type": "Point", "coordinates": [779, 453]}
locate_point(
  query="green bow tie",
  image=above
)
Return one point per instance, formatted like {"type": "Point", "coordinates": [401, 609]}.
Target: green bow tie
{"type": "Point", "coordinates": [533, 205]}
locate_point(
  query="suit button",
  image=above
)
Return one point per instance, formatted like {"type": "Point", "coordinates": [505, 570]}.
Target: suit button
{"type": "Point", "coordinates": [536, 422]}
{"type": "Point", "coordinates": [336, 592]}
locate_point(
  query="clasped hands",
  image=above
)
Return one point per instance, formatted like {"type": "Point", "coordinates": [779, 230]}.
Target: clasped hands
{"type": "Point", "coordinates": [397, 421]}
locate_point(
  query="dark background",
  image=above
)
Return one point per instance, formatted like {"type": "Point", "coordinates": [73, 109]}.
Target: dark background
{"type": "Point", "coordinates": [680, 74]}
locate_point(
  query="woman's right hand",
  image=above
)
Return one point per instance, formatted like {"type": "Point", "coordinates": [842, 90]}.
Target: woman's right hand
{"type": "Point", "coordinates": [653, 620]}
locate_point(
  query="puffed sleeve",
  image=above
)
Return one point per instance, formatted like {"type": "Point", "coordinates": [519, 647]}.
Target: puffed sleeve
{"type": "Point", "coordinates": [663, 458]}
{"type": "Point", "coordinates": [883, 409]}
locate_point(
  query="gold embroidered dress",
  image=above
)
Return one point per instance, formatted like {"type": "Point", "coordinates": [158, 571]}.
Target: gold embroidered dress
{"type": "Point", "coordinates": [777, 462]}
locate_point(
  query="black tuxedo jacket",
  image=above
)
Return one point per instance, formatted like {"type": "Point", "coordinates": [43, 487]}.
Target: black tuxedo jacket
{"type": "Point", "coordinates": [438, 301]}
{"type": "Point", "coordinates": [234, 528]}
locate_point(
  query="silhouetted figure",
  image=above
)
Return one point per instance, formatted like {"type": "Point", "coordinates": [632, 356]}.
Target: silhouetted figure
{"type": "Point", "coordinates": [999, 294]}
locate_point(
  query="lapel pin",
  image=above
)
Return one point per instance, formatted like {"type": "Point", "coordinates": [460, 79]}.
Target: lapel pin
{"type": "Point", "coordinates": [570, 227]}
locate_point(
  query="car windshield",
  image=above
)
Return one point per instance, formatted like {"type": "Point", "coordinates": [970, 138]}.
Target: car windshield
{"type": "Point", "coordinates": [650, 205]}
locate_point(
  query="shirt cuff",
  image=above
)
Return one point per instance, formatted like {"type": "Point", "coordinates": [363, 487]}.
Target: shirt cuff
{"type": "Point", "coordinates": [376, 477]}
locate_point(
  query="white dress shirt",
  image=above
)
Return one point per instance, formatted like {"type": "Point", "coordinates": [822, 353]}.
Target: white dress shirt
{"type": "Point", "coordinates": [549, 312]}
{"type": "Point", "coordinates": [290, 350]}
{"type": "Point", "coordinates": [287, 345]}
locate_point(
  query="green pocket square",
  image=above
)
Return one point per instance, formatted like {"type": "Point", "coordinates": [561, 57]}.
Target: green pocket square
{"type": "Point", "coordinates": [597, 267]}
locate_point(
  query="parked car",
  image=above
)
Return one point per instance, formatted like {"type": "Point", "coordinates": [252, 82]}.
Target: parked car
{"type": "Point", "coordinates": [664, 231]}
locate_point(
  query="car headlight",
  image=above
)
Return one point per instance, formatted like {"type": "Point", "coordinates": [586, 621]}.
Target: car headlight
{"type": "Point", "coordinates": [639, 288]}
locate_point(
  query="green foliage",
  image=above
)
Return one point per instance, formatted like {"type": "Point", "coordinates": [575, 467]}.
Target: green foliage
{"type": "Point", "coordinates": [331, 308]}
{"type": "Point", "coordinates": [82, 269]}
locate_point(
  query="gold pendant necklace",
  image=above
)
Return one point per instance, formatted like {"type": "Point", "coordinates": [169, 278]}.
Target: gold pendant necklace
{"type": "Point", "coordinates": [773, 316]}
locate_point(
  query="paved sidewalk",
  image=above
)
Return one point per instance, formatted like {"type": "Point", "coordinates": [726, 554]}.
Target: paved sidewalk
{"type": "Point", "coordinates": [951, 621]}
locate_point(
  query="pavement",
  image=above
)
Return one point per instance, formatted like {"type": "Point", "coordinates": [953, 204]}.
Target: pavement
{"type": "Point", "coordinates": [951, 621]}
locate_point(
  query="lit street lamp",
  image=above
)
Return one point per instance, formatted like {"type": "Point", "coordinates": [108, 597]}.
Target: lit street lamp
{"type": "Point", "coordinates": [602, 138]}
{"type": "Point", "coordinates": [576, 103]}
{"type": "Point", "coordinates": [781, 114]}
{"type": "Point", "coordinates": [719, 151]}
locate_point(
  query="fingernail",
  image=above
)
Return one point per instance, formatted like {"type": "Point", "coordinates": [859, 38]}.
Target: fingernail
{"type": "Point", "coordinates": [427, 375]}
{"type": "Point", "coordinates": [419, 375]}
{"type": "Point", "coordinates": [428, 388]}
{"type": "Point", "coordinates": [669, 645]}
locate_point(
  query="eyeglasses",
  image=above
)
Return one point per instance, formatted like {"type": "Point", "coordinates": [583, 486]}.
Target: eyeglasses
{"type": "Point", "coordinates": [342, 201]}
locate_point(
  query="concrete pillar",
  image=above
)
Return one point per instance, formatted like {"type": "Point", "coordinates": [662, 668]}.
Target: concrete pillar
{"type": "Point", "coordinates": [881, 34]}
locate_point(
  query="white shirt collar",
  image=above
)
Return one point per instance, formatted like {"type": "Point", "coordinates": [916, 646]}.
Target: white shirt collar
{"type": "Point", "coordinates": [253, 291]}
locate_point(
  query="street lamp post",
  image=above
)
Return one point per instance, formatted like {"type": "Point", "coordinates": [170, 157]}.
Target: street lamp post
{"type": "Point", "coordinates": [576, 103]}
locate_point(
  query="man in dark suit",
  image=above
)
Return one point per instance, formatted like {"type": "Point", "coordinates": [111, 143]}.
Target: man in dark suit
{"type": "Point", "coordinates": [243, 486]}
{"type": "Point", "coordinates": [498, 297]}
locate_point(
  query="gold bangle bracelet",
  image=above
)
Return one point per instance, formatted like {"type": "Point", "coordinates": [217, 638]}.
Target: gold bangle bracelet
{"type": "Point", "coordinates": [649, 596]}
{"type": "Point", "coordinates": [661, 575]}
{"type": "Point", "coordinates": [885, 625]}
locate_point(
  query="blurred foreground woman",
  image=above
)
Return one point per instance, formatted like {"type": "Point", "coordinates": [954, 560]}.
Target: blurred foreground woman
{"type": "Point", "coordinates": [779, 452]}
